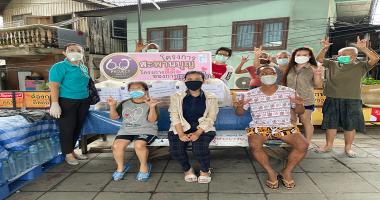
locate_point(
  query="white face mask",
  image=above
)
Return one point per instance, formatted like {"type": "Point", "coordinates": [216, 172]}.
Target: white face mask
{"type": "Point", "coordinates": [74, 56]}
{"type": "Point", "coordinates": [301, 59]}
{"type": "Point", "coordinates": [268, 79]}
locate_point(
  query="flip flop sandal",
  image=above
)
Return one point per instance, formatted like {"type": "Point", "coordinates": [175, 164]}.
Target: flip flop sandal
{"type": "Point", "coordinates": [272, 185]}
{"type": "Point", "coordinates": [117, 176]}
{"type": "Point", "coordinates": [144, 176]}
{"type": "Point", "coordinates": [191, 178]}
{"type": "Point", "coordinates": [287, 184]}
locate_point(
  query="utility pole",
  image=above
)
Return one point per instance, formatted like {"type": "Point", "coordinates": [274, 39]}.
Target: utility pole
{"type": "Point", "coordinates": [139, 13]}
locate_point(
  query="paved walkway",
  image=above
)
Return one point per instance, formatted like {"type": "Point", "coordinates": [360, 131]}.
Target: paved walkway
{"type": "Point", "coordinates": [319, 177]}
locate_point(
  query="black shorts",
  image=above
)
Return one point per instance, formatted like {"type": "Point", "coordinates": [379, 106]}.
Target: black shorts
{"type": "Point", "coordinates": [343, 113]}
{"type": "Point", "coordinates": [310, 107]}
{"type": "Point", "coordinates": [149, 139]}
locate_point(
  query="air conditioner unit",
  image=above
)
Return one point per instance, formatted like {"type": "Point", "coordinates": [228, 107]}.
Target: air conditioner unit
{"type": "Point", "coordinates": [242, 81]}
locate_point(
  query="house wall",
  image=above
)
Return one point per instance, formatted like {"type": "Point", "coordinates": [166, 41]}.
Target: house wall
{"type": "Point", "coordinates": [46, 8]}
{"type": "Point", "coordinates": [39, 64]}
{"type": "Point", "coordinates": [100, 35]}
{"type": "Point", "coordinates": [210, 26]}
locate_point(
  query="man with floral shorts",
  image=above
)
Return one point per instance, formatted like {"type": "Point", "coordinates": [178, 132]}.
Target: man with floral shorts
{"type": "Point", "coordinates": [270, 107]}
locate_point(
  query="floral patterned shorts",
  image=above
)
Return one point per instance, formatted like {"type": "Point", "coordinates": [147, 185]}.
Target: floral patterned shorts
{"type": "Point", "coordinates": [272, 133]}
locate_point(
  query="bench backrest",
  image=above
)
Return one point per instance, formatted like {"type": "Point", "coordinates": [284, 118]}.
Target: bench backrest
{"type": "Point", "coordinates": [226, 120]}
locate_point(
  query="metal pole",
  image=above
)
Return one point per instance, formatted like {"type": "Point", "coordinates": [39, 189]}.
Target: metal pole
{"type": "Point", "coordinates": [139, 12]}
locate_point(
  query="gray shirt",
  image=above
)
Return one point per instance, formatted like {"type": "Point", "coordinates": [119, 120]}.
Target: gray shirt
{"type": "Point", "coordinates": [135, 119]}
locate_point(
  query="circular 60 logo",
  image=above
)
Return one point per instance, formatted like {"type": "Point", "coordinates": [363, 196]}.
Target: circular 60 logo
{"type": "Point", "coordinates": [118, 67]}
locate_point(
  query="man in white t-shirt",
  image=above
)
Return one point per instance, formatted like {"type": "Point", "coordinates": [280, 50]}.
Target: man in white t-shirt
{"type": "Point", "coordinates": [270, 106]}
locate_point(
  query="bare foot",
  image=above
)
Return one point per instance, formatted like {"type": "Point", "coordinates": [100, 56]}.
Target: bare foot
{"type": "Point", "coordinates": [324, 149]}
{"type": "Point", "coordinates": [272, 176]}
{"type": "Point", "coordinates": [287, 175]}
{"type": "Point", "coordinates": [350, 153]}
{"type": "Point", "coordinates": [144, 168]}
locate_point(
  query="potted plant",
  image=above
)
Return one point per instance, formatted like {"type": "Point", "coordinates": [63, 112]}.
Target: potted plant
{"type": "Point", "coordinates": [371, 92]}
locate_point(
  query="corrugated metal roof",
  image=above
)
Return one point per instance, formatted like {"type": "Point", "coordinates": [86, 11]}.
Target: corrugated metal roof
{"type": "Point", "coordinates": [148, 6]}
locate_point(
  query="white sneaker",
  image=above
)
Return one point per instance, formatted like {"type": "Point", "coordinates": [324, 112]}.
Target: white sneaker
{"type": "Point", "coordinates": [81, 157]}
{"type": "Point", "coordinates": [72, 161]}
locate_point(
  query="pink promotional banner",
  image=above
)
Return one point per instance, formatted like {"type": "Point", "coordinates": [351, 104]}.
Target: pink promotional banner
{"type": "Point", "coordinates": [154, 66]}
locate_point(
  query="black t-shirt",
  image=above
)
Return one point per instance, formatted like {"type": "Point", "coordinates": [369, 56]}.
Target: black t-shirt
{"type": "Point", "coordinates": [193, 108]}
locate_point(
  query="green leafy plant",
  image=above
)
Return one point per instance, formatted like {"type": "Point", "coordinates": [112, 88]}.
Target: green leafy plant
{"type": "Point", "coordinates": [370, 81]}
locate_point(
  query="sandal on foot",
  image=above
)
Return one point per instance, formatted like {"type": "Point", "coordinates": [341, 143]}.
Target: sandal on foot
{"type": "Point", "coordinates": [144, 176]}
{"type": "Point", "coordinates": [287, 184]}
{"type": "Point", "coordinates": [351, 154]}
{"type": "Point", "coordinates": [191, 177]}
{"type": "Point", "coordinates": [272, 184]}
{"type": "Point", "coordinates": [117, 176]}
{"type": "Point", "coordinates": [205, 179]}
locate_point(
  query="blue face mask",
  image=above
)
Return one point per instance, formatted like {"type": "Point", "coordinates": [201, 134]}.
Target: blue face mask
{"type": "Point", "coordinates": [282, 61]}
{"type": "Point", "coordinates": [136, 94]}
{"type": "Point", "coordinates": [221, 58]}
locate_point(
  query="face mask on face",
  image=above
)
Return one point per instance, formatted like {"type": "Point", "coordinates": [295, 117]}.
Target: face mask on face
{"type": "Point", "coordinates": [301, 59]}
{"type": "Point", "coordinates": [136, 94]}
{"type": "Point", "coordinates": [264, 61]}
{"type": "Point", "coordinates": [152, 50]}
{"type": "Point", "coordinates": [193, 85]}
{"type": "Point", "coordinates": [268, 79]}
{"type": "Point", "coordinates": [221, 58]}
{"type": "Point", "coordinates": [344, 59]}
{"type": "Point", "coordinates": [74, 56]}
{"type": "Point", "coordinates": [282, 61]}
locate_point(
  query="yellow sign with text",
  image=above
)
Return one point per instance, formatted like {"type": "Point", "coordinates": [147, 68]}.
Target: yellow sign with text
{"type": "Point", "coordinates": [6, 99]}
{"type": "Point", "coordinates": [37, 99]}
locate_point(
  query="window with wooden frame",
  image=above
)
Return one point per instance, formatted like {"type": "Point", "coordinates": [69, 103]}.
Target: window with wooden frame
{"type": "Point", "coordinates": [272, 34]}
{"type": "Point", "coordinates": [169, 38]}
{"type": "Point", "coordinates": [119, 29]}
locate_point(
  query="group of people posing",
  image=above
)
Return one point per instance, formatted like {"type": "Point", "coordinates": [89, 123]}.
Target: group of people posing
{"type": "Point", "coordinates": [282, 92]}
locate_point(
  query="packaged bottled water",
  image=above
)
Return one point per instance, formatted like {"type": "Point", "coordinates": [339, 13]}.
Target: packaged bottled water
{"type": "Point", "coordinates": [58, 144]}
{"type": "Point", "coordinates": [5, 171]}
{"type": "Point", "coordinates": [2, 177]}
{"type": "Point", "coordinates": [48, 149]}
{"type": "Point", "coordinates": [41, 152]}
{"type": "Point", "coordinates": [17, 157]}
{"type": "Point", "coordinates": [34, 155]}
{"type": "Point", "coordinates": [28, 159]}
{"type": "Point", "coordinates": [54, 147]}
{"type": "Point", "coordinates": [12, 167]}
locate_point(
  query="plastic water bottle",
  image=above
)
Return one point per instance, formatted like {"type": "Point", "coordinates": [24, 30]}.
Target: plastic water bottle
{"type": "Point", "coordinates": [28, 159]}
{"type": "Point", "coordinates": [24, 160]}
{"type": "Point", "coordinates": [54, 148]}
{"type": "Point", "coordinates": [5, 173]}
{"type": "Point", "coordinates": [34, 155]}
{"type": "Point", "coordinates": [58, 144]}
{"type": "Point", "coordinates": [2, 177]}
{"type": "Point", "coordinates": [18, 162]}
{"type": "Point", "coordinates": [41, 152]}
{"type": "Point", "coordinates": [12, 167]}
{"type": "Point", "coordinates": [49, 150]}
